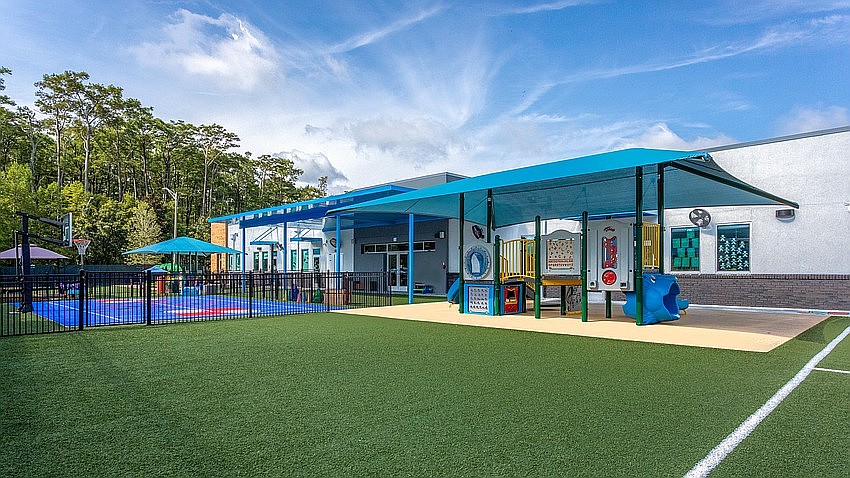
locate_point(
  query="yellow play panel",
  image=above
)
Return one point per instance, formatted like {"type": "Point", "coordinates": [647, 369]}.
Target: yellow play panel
{"type": "Point", "coordinates": [753, 331]}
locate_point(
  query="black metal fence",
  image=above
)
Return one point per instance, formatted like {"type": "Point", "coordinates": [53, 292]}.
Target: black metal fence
{"type": "Point", "coordinates": [68, 302]}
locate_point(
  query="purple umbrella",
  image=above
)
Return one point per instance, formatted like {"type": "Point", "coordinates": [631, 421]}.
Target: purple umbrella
{"type": "Point", "coordinates": [36, 253]}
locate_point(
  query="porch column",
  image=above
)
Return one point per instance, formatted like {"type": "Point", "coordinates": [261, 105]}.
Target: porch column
{"type": "Point", "coordinates": [337, 264]}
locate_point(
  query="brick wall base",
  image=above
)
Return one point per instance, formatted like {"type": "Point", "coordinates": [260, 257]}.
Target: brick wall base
{"type": "Point", "coordinates": [795, 291]}
{"type": "Point", "coordinates": [799, 291]}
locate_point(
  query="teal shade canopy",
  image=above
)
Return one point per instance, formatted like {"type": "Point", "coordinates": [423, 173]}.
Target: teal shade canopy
{"type": "Point", "coordinates": [600, 184]}
{"type": "Point", "coordinates": [184, 245]}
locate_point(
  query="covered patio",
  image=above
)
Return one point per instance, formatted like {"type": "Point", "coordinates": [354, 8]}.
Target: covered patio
{"type": "Point", "coordinates": [628, 181]}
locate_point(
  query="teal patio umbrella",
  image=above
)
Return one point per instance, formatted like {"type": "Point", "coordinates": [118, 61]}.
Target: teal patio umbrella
{"type": "Point", "coordinates": [184, 246]}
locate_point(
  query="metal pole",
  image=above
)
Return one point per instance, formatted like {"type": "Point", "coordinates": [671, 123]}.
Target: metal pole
{"type": "Point", "coordinates": [26, 300]}
{"type": "Point", "coordinates": [148, 280]}
{"type": "Point", "coordinates": [538, 280]}
{"type": "Point", "coordinates": [338, 254]}
{"type": "Point", "coordinates": [460, 298]}
{"type": "Point", "coordinates": [497, 273]}
{"type": "Point", "coordinates": [489, 213]}
{"type": "Point", "coordinates": [660, 193]}
{"type": "Point", "coordinates": [410, 282]}
{"type": "Point", "coordinates": [639, 244]}
{"type": "Point", "coordinates": [584, 266]}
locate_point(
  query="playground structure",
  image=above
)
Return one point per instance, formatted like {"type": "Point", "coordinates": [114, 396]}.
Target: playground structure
{"type": "Point", "coordinates": [609, 267]}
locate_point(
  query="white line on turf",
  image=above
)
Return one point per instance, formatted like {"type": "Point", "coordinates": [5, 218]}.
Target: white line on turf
{"type": "Point", "coordinates": [715, 456]}
{"type": "Point", "coordinates": [832, 370]}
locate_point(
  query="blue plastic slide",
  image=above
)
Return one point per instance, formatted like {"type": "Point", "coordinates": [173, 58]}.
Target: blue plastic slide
{"type": "Point", "coordinates": [452, 294]}
{"type": "Point", "coordinates": [659, 299]}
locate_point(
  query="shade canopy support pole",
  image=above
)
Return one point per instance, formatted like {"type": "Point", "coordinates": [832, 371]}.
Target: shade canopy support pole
{"type": "Point", "coordinates": [538, 281]}
{"type": "Point", "coordinates": [584, 221]}
{"type": "Point", "coordinates": [638, 245]}
{"type": "Point", "coordinates": [460, 292]}
{"type": "Point", "coordinates": [410, 274]}
{"type": "Point", "coordinates": [660, 194]}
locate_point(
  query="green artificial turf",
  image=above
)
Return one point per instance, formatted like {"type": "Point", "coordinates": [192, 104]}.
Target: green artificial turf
{"type": "Point", "coordinates": [333, 394]}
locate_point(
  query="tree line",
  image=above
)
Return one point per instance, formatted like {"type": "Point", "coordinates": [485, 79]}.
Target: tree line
{"type": "Point", "coordinates": [107, 159]}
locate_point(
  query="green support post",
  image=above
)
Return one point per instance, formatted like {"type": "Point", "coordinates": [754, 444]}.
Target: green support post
{"type": "Point", "coordinates": [497, 279]}
{"type": "Point", "coordinates": [538, 280]}
{"type": "Point", "coordinates": [460, 298]}
{"type": "Point", "coordinates": [607, 304]}
{"type": "Point", "coordinates": [639, 245]}
{"type": "Point", "coordinates": [660, 193]}
{"type": "Point", "coordinates": [563, 300]}
{"type": "Point", "coordinates": [489, 213]}
{"type": "Point", "coordinates": [584, 266]}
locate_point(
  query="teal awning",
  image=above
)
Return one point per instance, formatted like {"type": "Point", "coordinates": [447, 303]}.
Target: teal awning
{"type": "Point", "coordinates": [599, 184]}
{"type": "Point", "coordinates": [183, 245]}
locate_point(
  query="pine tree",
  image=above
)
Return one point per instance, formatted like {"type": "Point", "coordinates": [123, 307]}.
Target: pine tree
{"type": "Point", "coordinates": [144, 232]}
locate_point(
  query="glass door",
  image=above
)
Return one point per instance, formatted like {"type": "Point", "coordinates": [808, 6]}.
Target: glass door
{"type": "Point", "coordinates": [397, 267]}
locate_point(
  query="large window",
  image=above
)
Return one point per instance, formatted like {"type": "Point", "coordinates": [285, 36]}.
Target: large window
{"type": "Point", "coordinates": [684, 249]}
{"type": "Point", "coordinates": [418, 246]}
{"type": "Point", "coordinates": [256, 261]}
{"type": "Point", "coordinates": [293, 260]}
{"type": "Point", "coordinates": [733, 247]}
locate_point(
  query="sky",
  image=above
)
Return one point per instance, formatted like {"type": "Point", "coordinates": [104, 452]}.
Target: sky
{"type": "Point", "coordinates": [371, 92]}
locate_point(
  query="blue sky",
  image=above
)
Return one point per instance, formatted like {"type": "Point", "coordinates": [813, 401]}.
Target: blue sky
{"type": "Point", "coordinates": [368, 92]}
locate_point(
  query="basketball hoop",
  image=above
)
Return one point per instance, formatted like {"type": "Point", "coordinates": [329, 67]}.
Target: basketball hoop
{"type": "Point", "coordinates": [82, 245]}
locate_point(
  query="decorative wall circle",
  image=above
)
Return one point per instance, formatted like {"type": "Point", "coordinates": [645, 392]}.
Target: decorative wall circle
{"type": "Point", "coordinates": [477, 262]}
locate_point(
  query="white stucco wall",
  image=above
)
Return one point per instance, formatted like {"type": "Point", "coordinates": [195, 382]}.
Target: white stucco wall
{"type": "Point", "coordinates": [813, 171]}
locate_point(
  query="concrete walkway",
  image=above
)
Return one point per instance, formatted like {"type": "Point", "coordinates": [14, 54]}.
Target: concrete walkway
{"type": "Point", "coordinates": [753, 331]}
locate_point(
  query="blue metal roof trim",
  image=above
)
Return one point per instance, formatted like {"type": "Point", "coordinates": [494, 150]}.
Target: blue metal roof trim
{"type": "Point", "coordinates": [311, 202]}
{"type": "Point", "coordinates": [263, 243]}
{"type": "Point", "coordinates": [600, 184]}
{"type": "Point", "coordinates": [306, 239]}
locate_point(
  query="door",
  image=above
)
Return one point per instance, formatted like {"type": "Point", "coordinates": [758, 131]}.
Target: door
{"type": "Point", "coordinates": [397, 267]}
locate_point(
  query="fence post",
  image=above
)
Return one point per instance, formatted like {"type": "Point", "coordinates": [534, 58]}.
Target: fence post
{"type": "Point", "coordinates": [148, 284]}
{"type": "Point", "coordinates": [250, 294]}
{"type": "Point", "coordinates": [328, 289]}
{"type": "Point", "coordinates": [82, 290]}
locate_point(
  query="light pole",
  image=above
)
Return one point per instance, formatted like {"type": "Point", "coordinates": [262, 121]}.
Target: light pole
{"type": "Point", "coordinates": [173, 195]}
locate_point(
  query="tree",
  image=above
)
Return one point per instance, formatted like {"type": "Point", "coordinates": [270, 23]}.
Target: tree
{"type": "Point", "coordinates": [3, 98]}
{"type": "Point", "coordinates": [144, 231]}
{"type": "Point", "coordinates": [31, 127]}
{"type": "Point", "coordinates": [213, 141]}
{"type": "Point", "coordinates": [53, 99]}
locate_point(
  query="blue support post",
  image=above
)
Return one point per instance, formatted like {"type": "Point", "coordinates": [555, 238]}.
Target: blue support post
{"type": "Point", "coordinates": [338, 255]}
{"type": "Point", "coordinates": [410, 282]}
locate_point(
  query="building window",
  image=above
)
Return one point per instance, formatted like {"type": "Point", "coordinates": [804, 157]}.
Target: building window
{"type": "Point", "coordinates": [305, 259]}
{"type": "Point", "coordinates": [256, 261]}
{"type": "Point", "coordinates": [733, 247]}
{"type": "Point", "coordinates": [684, 249]}
{"type": "Point", "coordinates": [293, 260]}
{"type": "Point", "coordinates": [418, 246]}
{"type": "Point", "coordinates": [265, 260]}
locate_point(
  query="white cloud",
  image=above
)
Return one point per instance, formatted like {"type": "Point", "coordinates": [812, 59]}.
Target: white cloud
{"type": "Point", "coordinates": [226, 51]}
{"type": "Point", "coordinates": [315, 166]}
{"type": "Point", "coordinates": [377, 35]}
{"type": "Point", "coordinates": [804, 119]}
{"type": "Point", "coordinates": [547, 7]}
{"type": "Point", "coordinates": [661, 136]}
